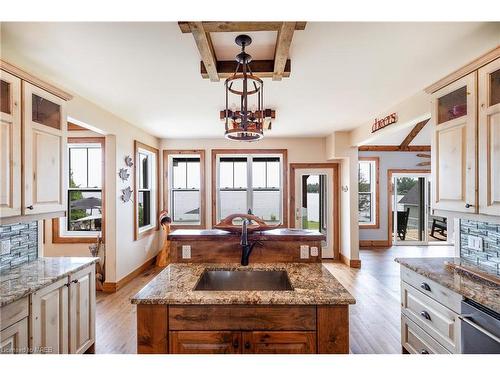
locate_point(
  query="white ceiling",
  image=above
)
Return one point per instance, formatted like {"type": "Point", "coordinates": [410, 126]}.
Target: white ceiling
{"type": "Point", "coordinates": [342, 73]}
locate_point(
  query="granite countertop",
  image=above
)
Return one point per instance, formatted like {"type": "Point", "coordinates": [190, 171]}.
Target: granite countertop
{"type": "Point", "coordinates": [313, 285]}
{"type": "Point", "coordinates": [482, 291]}
{"type": "Point", "coordinates": [278, 234]}
{"type": "Point", "coordinates": [32, 276]}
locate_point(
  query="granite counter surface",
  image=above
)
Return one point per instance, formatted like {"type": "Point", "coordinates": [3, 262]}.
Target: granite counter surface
{"type": "Point", "coordinates": [482, 291]}
{"type": "Point", "coordinates": [313, 285]}
{"type": "Point", "coordinates": [32, 276]}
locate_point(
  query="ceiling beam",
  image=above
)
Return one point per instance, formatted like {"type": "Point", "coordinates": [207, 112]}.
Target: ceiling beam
{"type": "Point", "coordinates": [394, 148]}
{"type": "Point", "coordinates": [206, 49]}
{"type": "Point", "coordinates": [219, 26]}
{"type": "Point", "coordinates": [413, 133]}
{"type": "Point", "coordinates": [260, 68]}
{"type": "Point", "coordinates": [282, 51]}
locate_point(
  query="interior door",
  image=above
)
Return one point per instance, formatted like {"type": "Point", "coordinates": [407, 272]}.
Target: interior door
{"type": "Point", "coordinates": [10, 145]}
{"type": "Point", "coordinates": [454, 146]}
{"type": "Point", "coordinates": [314, 204]}
{"type": "Point", "coordinates": [489, 139]}
{"type": "Point", "coordinates": [45, 137]}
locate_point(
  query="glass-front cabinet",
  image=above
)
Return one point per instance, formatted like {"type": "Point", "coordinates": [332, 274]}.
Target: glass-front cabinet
{"type": "Point", "coordinates": [489, 138]}
{"type": "Point", "coordinates": [10, 145]}
{"type": "Point", "coordinates": [454, 146]}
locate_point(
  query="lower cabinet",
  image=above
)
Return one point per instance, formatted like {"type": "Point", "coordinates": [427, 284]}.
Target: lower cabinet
{"type": "Point", "coordinates": [242, 342]}
{"type": "Point", "coordinates": [62, 318]}
{"type": "Point", "coordinates": [14, 339]}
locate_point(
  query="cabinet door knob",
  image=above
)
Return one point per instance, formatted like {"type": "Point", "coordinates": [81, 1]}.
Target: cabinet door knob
{"type": "Point", "coordinates": [425, 286]}
{"type": "Point", "coordinates": [236, 344]}
{"type": "Point", "coordinates": [74, 281]}
{"type": "Point", "coordinates": [247, 345]}
{"type": "Point", "coordinates": [423, 351]}
{"type": "Point", "coordinates": [67, 284]}
{"type": "Point", "coordinates": [467, 205]}
{"type": "Point", "coordinates": [30, 207]}
{"type": "Point", "coordinates": [425, 314]}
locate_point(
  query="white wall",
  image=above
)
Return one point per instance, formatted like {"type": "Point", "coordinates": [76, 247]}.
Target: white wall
{"type": "Point", "coordinates": [388, 160]}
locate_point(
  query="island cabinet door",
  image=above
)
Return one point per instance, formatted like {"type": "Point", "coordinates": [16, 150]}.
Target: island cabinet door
{"type": "Point", "coordinates": [279, 342]}
{"type": "Point", "coordinates": [205, 342]}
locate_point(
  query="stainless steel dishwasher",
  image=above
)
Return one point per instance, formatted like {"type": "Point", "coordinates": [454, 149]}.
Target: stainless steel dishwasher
{"type": "Point", "coordinates": [480, 329]}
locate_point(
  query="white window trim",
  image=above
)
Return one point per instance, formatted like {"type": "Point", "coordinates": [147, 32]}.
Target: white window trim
{"type": "Point", "coordinates": [249, 188]}
{"type": "Point", "coordinates": [170, 187]}
{"type": "Point", "coordinates": [63, 221]}
{"type": "Point", "coordinates": [153, 189]}
{"type": "Point", "coordinates": [373, 192]}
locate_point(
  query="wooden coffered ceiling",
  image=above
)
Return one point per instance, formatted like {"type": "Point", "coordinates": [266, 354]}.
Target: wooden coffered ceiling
{"type": "Point", "coordinates": [277, 68]}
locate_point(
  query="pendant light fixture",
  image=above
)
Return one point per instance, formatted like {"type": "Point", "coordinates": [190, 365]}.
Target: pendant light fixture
{"type": "Point", "coordinates": [244, 122]}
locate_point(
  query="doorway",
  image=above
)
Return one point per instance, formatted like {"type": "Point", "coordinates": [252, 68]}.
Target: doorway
{"type": "Point", "coordinates": [314, 202]}
{"type": "Point", "coordinates": [410, 216]}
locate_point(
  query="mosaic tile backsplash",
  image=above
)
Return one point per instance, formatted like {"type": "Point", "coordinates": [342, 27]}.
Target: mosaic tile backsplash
{"type": "Point", "coordinates": [23, 244]}
{"type": "Point", "coordinates": [489, 258]}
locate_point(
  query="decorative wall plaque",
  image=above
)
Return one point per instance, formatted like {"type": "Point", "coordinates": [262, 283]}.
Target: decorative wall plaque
{"type": "Point", "coordinates": [124, 175]}
{"type": "Point", "coordinates": [128, 161]}
{"type": "Point", "coordinates": [126, 194]}
{"type": "Point", "coordinates": [386, 121]}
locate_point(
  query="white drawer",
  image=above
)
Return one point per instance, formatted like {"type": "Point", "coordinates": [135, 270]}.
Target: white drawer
{"type": "Point", "coordinates": [437, 320]}
{"type": "Point", "coordinates": [416, 341]}
{"type": "Point", "coordinates": [443, 295]}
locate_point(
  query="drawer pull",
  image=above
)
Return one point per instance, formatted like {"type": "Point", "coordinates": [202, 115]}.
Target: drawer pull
{"type": "Point", "coordinates": [425, 286]}
{"type": "Point", "coordinates": [247, 345]}
{"type": "Point", "coordinates": [236, 344]}
{"type": "Point", "coordinates": [425, 314]}
{"type": "Point", "coordinates": [423, 351]}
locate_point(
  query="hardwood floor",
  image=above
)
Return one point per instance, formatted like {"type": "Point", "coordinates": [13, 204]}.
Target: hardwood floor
{"type": "Point", "coordinates": [374, 319]}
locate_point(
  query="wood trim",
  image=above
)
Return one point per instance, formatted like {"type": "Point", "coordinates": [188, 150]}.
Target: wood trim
{"type": "Point", "coordinates": [374, 244]}
{"type": "Point", "coordinates": [284, 155]}
{"type": "Point", "coordinates": [465, 70]}
{"type": "Point", "coordinates": [18, 72]}
{"type": "Point", "coordinates": [56, 237]}
{"type": "Point", "coordinates": [206, 49]}
{"type": "Point", "coordinates": [137, 234]}
{"type": "Point", "coordinates": [352, 263]}
{"type": "Point", "coordinates": [218, 26]}
{"type": "Point", "coordinates": [390, 172]}
{"type": "Point", "coordinates": [283, 42]}
{"type": "Point", "coordinates": [332, 329]}
{"type": "Point", "coordinates": [394, 148]}
{"type": "Point", "coordinates": [152, 329]}
{"type": "Point", "coordinates": [75, 127]}
{"type": "Point", "coordinates": [413, 133]}
{"type": "Point", "coordinates": [111, 287]}
{"type": "Point", "coordinates": [203, 196]}
{"type": "Point", "coordinates": [260, 68]}
{"type": "Point", "coordinates": [376, 225]}
{"type": "Point", "coordinates": [336, 198]}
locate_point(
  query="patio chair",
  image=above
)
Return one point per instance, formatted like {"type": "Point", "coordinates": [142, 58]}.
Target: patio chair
{"type": "Point", "coordinates": [439, 225]}
{"type": "Point", "coordinates": [403, 223]}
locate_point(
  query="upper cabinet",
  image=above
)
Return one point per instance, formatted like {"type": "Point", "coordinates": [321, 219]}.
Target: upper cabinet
{"type": "Point", "coordinates": [32, 121]}
{"type": "Point", "coordinates": [44, 145]}
{"type": "Point", "coordinates": [454, 146]}
{"type": "Point", "coordinates": [489, 138]}
{"type": "Point", "coordinates": [10, 142]}
{"type": "Point", "coordinates": [466, 142]}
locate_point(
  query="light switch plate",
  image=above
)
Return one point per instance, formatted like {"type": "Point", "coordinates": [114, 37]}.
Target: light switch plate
{"type": "Point", "coordinates": [314, 251]}
{"type": "Point", "coordinates": [475, 243]}
{"type": "Point", "coordinates": [5, 247]}
{"type": "Point", "coordinates": [304, 251]}
{"type": "Point", "coordinates": [186, 252]}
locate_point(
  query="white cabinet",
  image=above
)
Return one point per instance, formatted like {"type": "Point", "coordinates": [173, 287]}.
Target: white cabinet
{"type": "Point", "coordinates": [10, 145]}
{"type": "Point", "coordinates": [489, 138]}
{"type": "Point", "coordinates": [82, 310]}
{"type": "Point", "coordinates": [49, 329]}
{"type": "Point", "coordinates": [454, 146]}
{"type": "Point", "coordinates": [44, 145]}
{"type": "Point", "coordinates": [63, 315]}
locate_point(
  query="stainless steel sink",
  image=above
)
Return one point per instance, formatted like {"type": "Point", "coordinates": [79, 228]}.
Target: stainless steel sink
{"type": "Point", "coordinates": [243, 280]}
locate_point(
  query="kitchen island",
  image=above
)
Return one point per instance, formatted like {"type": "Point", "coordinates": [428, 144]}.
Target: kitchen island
{"type": "Point", "coordinates": [281, 301]}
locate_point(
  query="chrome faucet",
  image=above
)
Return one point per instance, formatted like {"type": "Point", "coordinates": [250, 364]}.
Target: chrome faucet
{"type": "Point", "coordinates": [246, 247]}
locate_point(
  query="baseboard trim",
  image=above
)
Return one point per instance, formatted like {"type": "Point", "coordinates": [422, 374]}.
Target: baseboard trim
{"type": "Point", "coordinates": [370, 244]}
{"type": "Point", "coordinates": [111, 287]}
{"type": "Point", "coordinates": [353, 263]}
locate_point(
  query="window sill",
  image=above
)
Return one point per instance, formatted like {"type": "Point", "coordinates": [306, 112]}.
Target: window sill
{"type": "Point", "coordinates": [369, 226]}
{"type": "Point", "coordinates": [74, 240]}
{"type": "Point", "coordinates": [146, 232]}
{"type": "Point", "coordinates": [187, 226]}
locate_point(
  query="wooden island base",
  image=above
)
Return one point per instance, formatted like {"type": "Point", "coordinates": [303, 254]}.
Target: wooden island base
{"type": "Point", "coordinates": [242, 329]}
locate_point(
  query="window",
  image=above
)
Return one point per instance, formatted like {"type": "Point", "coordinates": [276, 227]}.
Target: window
{"type": "Point", "coordinates": [85, 213]}
{"type": "Point", "coordinates": [251, 182]}
{"type": "Point", "coordinates": [146, 189]}
{"type": "Point", "coordinates": [184, 187]}
{"type": "Point", "coordinates": [368, 192]}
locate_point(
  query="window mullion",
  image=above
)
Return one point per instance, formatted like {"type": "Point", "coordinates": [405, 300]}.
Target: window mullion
{"type": "Point", "coordinates": [249, 183]}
